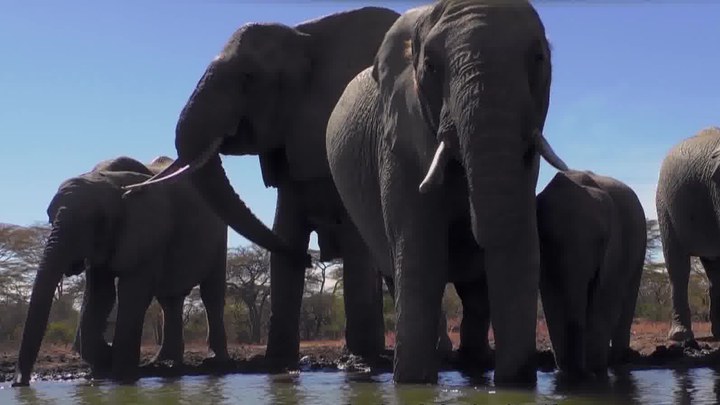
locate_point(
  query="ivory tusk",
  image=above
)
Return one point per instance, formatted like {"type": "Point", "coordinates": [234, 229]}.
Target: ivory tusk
{"type": "Point", "coordinates": [435, 172]}
{"type": "Point", "coordinates": [547, 152]}
{"type": "Point", "coordinates": [175, 170]}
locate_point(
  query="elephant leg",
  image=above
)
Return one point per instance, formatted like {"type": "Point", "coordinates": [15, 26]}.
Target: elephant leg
{"type": "Point", "coordinates": [287, 277]}
{"type": "Point", "coordinates": [390, 284]}
{"type": "Point", "coordinates": [678, 267]}
{"type": "Point", "coordinates": [134, 296]}
{"type": "Point", "coordinates": [444, 345]}
{"type": "Point", "coordinates": [212, 293]}
{"type": "Point", "coordinates": [621, 333]}
{"type": "Point", "coordinates": [362, 293]}
{"type": "Point", "coordinates": [712, 269]}
{"type": "Point", "coordinates": [474, 347]}
{"type": "Point", "coordinates": [418, 237]}
{"type": "Point", "coordinates": [98, 302]}
{"type": "Point", "coordinates": [173, 344]}
{"type": "Point", "coordinates": [603, 313]}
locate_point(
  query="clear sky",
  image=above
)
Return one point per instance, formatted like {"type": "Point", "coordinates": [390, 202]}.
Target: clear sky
{"type": "Point", "coordinates": [83, 81]}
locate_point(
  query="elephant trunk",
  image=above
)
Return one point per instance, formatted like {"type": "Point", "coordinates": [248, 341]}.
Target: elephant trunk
{"type": "Point", "coordinates": [210, 116]}
{"type": "Point", "coordinates": [501, 167]}
{"type": "Point", "coordinates": [212, 182]}
{"type": "Point", "coordinates": [52, 266]}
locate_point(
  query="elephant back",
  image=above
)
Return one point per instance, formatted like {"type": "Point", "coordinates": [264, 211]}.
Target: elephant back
{"type": "Point", "coordinates": [122, 164]}
{"type": "Point", "coordinates": [160, 163]}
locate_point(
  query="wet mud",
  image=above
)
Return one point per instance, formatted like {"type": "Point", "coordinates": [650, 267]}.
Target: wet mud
{"type": "Point", "coordinates": [59, 367]}
{"type": "Point", "coordinates": [650, 350]}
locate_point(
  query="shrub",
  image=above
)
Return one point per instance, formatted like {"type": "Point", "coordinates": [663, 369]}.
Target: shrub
{"type": "Point", "coordinates": [61, 332]}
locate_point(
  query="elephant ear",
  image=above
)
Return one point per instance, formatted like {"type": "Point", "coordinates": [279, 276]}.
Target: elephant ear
{"type": "Point", "coordinates": [715, 162]}
{"type": "Point", "coordinates": [273, 165]}
{"type": "Point", "coordinates": [395, 52]}
{"type": "Point", "coordinates": [339, 46]}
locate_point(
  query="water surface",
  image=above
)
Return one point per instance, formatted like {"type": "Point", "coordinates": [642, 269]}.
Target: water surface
{"type": "Point", "coordinates": [696, 386]}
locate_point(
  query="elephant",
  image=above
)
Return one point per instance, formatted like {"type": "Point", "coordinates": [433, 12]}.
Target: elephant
{"type": "Point", "coordinates": [172, 344]}
{"type": "Point", "coordinates": [159, 243]}
{"type": "Point", "coordinates": [269, 93]}
{"type": "Point", "coordinates": [592, 251]}
{"type": "Point", "coordinates": [435, 150]}
{"type": "Point", "coordinates": [688, 209]}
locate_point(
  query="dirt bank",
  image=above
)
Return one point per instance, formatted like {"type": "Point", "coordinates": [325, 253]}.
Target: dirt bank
{"type": "Point", "coordinates": [648, 340]}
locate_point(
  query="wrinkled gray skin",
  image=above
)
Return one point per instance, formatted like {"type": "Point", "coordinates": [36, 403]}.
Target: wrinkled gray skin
{"type": "Point", "coordinates": [688, 208]}
{"type": "Point", "coordinates": [592, 250]}
{"type": "Point", "coordinates": [476, 76]}
{"type": "Point", "coordinates": [269, 93]}
{"type": "Point", "coordinates": [159, 243]}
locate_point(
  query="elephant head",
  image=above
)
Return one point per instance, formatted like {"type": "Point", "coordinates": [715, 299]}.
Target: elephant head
{"type": "Point", "coordinates": [471, 81]}
{"type": "Point", "coordinates": [269, 93]}
{"type": "Point", "coordinates": [89, 221]}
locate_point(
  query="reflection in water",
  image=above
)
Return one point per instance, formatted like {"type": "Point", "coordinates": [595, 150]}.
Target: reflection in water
{"type": "Point", "coordinates": [30, 396]}
{"type": "Point", "coordinates": [284, 389]}
{"type": "Point", "coordinates": [697, 386]}
{"type": "Point", "coordinates": [683, 393]}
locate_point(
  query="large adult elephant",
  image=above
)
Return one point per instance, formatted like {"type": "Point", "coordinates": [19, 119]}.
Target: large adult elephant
{"type": "Point", "coordinates": [688, 208]}
{"type": "Point", "coordinates": [592, 250]}
{"type": "Point", "coordinates": [434, 151]}
{"type": "Point", "coordinates": [270, 93]}
{"type": "Point", "coordinates": [158, 244]}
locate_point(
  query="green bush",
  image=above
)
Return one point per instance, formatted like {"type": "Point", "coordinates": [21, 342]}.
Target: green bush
{"type": "Point", "coordinates": [61, 332]}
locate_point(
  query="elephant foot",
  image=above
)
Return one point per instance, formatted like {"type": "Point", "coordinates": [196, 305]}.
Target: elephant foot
{"type": "Point", "coordinates": [20, 379]}
{"type": "Point", "coordinates": [218, 362]}
{"type": "Point", "coordinates": [573, 376]}
{"type": "Point", "coordinates": [623, 356]}
{"type": "Point", "coordinates": [680, 333]}
{"type": "Point", "coordinates": [125, 375]}
{"type": "Point", "coordinates": [525, 377]}
{"type": "Point", "coordinates": [101, 364]}
{"type": "Point", "coordinates": [167, 358]}
{"type": "Point", "coordinates": [277, 364]}
{"type": "Point", "coordinates": [475, 359]}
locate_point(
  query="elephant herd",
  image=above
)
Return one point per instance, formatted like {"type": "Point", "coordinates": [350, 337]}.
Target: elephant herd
{"type": "Point", "coordinates": [411, 145]}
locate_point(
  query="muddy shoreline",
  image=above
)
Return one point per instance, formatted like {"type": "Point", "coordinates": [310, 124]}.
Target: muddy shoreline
{"type": "Point", "coordinates": [651, 350]}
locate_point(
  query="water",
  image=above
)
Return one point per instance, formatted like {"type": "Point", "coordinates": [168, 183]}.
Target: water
{"type": "Point", "coordinates": [697, 386]}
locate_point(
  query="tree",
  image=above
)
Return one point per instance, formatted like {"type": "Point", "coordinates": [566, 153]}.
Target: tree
{"type": "Point", "coordinates": [248, 282]}
{"type": "Point", "coordinates": [320, 312]}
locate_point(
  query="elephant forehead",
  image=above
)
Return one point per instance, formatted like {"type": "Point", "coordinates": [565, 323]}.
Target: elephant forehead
{"type": "Point", "coordinates": [254, 40]}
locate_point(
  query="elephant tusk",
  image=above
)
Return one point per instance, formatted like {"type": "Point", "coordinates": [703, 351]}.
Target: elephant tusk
{"type": "Point", "coordinates": [547, 152]}
{"type": "Point", "coordinates": [175, 170]}
{"type": "Point", "coordinates": [435, 173]}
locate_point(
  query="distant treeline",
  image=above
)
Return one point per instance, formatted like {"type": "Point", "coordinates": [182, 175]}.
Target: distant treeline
{"type": "Point", "coordinates": [247, 308]}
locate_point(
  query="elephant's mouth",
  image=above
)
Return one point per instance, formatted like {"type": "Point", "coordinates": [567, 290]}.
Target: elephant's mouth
{"type": "Point", "coordinates": [243, 141]}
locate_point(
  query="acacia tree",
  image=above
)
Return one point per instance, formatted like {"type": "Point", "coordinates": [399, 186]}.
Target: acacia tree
{"type": "Point", "coordinates": [248, 282]}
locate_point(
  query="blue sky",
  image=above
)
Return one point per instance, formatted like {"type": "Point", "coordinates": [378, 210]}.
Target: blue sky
{"type": "Point", "coordinates": [85, 81]}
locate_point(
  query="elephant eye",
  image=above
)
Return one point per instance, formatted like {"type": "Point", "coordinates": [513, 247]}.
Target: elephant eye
{"type": "Point", "coordinates": [429, 66]}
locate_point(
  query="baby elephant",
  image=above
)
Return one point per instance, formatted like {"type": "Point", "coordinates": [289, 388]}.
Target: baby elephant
{"type": "Point", "coordinates": [592, 249]}
{"type": "Point", "coordinates": [160, 242]}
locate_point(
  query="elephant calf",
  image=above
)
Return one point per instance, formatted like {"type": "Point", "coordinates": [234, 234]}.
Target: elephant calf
{"type": "Point", "coordinates": [592, 248]}
{"type": "Point", "coordinates": [159, 243]}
